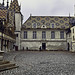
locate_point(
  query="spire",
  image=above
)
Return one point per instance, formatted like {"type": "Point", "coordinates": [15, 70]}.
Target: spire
{"type": "Point", "coordinates": [69, 18]}
{"type": "Point", "coordinates": [69, 14]}
{"type": "Point", "coordinates": [14, 6]}
{"type": "Point", "coordinates": [30, 14]}
{"type": "Point", "coordinates": [3, 3]}
{"type": "Point", "coordinates": [74, 10]}
{"type": "Point", "coordinates": [7, 4]}
{"type": "Point", "coordinates": [20, 6]}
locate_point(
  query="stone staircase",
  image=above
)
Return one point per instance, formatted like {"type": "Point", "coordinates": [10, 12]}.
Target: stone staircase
{"type": "Point", "coordinates": [6, 65]}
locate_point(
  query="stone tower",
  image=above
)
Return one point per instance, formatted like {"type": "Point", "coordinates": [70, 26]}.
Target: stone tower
{"type": "Point", "coordinates": [14, 6]}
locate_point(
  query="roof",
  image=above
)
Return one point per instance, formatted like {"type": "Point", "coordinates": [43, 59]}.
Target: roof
{"type": "Point", "coordinates": [14, 6]}
{"type": "Point", "coordinates": [58, 21]}
{"type": "Point", "coordinates": [3, 14]}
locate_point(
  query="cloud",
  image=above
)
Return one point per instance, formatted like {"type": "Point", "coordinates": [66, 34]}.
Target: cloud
{"type": "Point", "coordinates": [46, 7]}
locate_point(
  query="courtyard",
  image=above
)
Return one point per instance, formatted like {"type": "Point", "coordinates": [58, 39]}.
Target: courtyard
{"type": "Point", "coordinates": [41, 63]}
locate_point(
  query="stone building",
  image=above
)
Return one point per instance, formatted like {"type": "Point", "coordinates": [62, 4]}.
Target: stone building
{"type": "Point", "coordinates": [7, 36]}
{"type": "Point", "coordinates": [37, 32]}
{"type": "Point", "coordinates": [46, 32]}
{"type": "Point", "coordinates": [18, 18]}
{"type": "Point", "coordinates": [10, 20]}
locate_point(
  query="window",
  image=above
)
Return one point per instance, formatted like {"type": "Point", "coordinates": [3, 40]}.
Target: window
{"type": "Point", "coordinates": [25, 34]}
{"type": "Point", "coordinates": [73, 37]}
{"type": "Point", "coordinates": [52, 25]}
{"type": "Point", "coordinates": [61, 34]}
{"type": "Point", "coordinates": [34, 35]}
{"type": "Point", "coordinates": [43, 35]}
{"type": "Point", "coordinates": [52, 35]}
{"type": "Point", "coordinates": [69, 34]}
{"type": "Point", "coordinates": [16, 35]}
{"type": "Point", "coordinates": [34, 25]}
{"type": "Point", "coordinates": [73, 30]}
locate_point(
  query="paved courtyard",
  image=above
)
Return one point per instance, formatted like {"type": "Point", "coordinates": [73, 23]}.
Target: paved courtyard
{"type": "Point", "coordinates": [41, 63]}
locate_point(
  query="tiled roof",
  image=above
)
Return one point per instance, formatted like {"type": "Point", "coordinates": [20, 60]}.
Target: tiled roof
{"type": "Point", "coordinates": [59, 21]}
{"type": "Point", "coordinates": [14, 6]}
{"type": "Point", "coordinates": [3, 14]}
{"type": "Point", "coordinates": [11, 18]}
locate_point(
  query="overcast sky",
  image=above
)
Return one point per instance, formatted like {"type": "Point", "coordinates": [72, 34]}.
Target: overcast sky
{"type": "Point", "coordinates": [46, 7]}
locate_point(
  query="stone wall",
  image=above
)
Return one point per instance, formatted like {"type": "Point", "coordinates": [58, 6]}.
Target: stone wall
{"type": "Point", "coordinates": [49, 45]}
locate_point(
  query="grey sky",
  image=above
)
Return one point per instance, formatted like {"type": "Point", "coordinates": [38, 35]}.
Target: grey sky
{"type": "Point", "coordinates": [46, 7]}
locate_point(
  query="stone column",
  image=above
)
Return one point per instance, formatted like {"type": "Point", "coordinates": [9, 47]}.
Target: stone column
{"type": "Point", "coordinates": [0, 44]}
{"type": "Point", "coordinates": [8, 45]}
{"type": "Point", "coordinates": [5, 46]}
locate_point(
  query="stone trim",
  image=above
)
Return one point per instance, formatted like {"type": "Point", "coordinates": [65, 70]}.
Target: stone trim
{"type": "Point", "coordinates": [42, 29]}
{"type": "Point", "coordinates": [17, 31]}
{"type": "Point", "coordinates": [43, 40]}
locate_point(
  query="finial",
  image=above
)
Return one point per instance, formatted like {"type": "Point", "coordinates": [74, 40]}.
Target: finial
{"type": "Point", "coordinates": [69, 14]}
{"type": "Point", "coordinates": [7, 3]}
{"type": "Point", "coordinates": [20, 6]}
{"type": "Point", "coordinates": [69, 19]}
{"type": "Point", "coordinates": [30, 14]}
{"type": "Point", "coordinates": [3, 2]}
{"type": "Point", "coordinates": [74, 10]}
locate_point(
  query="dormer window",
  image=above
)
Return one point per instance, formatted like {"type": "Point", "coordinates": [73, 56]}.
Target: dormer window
{"type": "Point", "coordinates": [43, 26]}
{"type": "Point", "coordinates": [52, 25]}
{"type": "Point", "coordinates": [34, 25]}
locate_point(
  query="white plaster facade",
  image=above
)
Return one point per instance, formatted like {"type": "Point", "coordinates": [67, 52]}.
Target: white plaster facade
{"type": "Point", "coordinates": [51, 44]}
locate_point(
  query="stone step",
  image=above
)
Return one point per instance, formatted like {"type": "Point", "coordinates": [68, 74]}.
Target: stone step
{"type": "Point", "coordinates": [1, 58]}
{"type": "Point", "coordinates": [6, 65]}
{"type": "Point", "coordinates": [8, 68]}
{"type": "Point", "coordinates": [4, 62]}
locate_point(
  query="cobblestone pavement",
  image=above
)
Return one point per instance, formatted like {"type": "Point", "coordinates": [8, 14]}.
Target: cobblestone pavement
{"type": "Point", "coordinates": [41, 63]}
